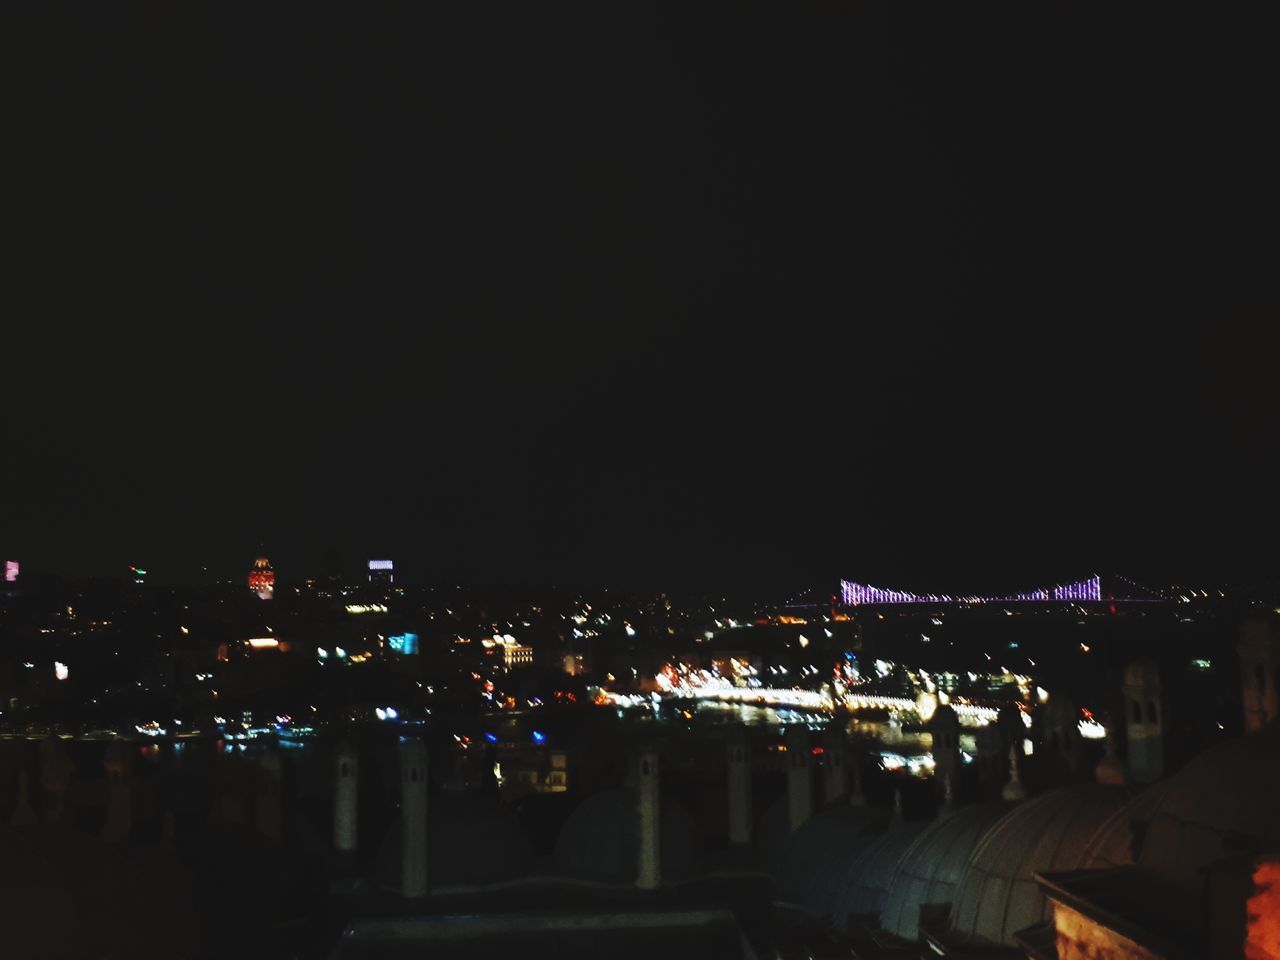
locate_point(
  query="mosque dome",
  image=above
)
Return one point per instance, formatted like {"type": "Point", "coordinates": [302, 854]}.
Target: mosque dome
{"type": "Point", "coordinates": [40, 908]}
{"type": "Point", "coordinates": [600, 840]}
{"type": "Point", "coordinates": [863, 888]}
{"type": "Point", "coordinates": [1116, 842]}
{"type": "Point", "coordinates": [816, 855]}
{"type": "Point", "coordinates": [998, 894]}
{"type": "Point", "coordinates": [1223, 802]}
{"type": "Point", "coordinates": [470, 840]}
{"type": "Point", "coordinates": [930, 869]}
{"type": "Point", "coordinates": [71, 896]}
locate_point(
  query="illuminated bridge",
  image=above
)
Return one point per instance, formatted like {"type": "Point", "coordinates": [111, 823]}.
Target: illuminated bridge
{"type": "Point", "coordinates": [861, 594]}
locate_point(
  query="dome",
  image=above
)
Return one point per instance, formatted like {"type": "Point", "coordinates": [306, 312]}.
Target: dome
{"type": "Point", "coordinates": [864, 883]}
{"type": "Point", "coordinates": [39, 905]}
{"type": "Point", "coordinates": [930, 869]}
{"type": "Point", "coordinates": [814, 857]}
{"type": "Point", "coordinates": [1222, 802]}
{"type": "Point", "coordinates": [470, 840]}
{"type": "Point", "coordinates": [998, 894]}
{"type": "Point", "coordinates": [600, 839]}
{"type": "Point", "coordinates": [1114, 845]}
{"type": "Point", "coordinates": [70, 896]}
{"type": "Point", "coordinates": [1142, 673]}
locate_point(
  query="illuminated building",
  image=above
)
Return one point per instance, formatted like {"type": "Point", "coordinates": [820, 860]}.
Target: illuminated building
{"type": "Point", "coordinates": [262, 579]}
{"type": "Point", "coordinates": [516, 655]}
{"type": "Point", "coordinates": [382, 573]}
{"type": "Point", "coordinates": [405, 644]}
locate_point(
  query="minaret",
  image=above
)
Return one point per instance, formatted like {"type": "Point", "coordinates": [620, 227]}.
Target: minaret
{"type": "Point", "coordinates": [649, 874]}
{"type": "Point", "coordinates": [799, 777]}
{"type": "Point", "coordinates": [1014, 790]}
{"type": "Point", "coordinates": [266, 801]}
{"type": "Point", "coordinates": [413, 816]}
{"type": "Point", "coordinates": [119, 769]}
{"type": "Point", "coordinates": [739, 782]}
{"type": "Point", "coordinates": [835, 765]}
{"type": "Point", "coordinates": [1259, 650]}
{"type": "Point", "coordinates": [1110, 769]}
{"type": "Point", "coordinates": [345, 797]}
{"type": "Point", "coordinates": [1144, 722]}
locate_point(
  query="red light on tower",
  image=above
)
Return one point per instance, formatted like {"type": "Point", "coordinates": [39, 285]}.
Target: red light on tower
{"type": "Point", "coordinates": [262, 579]}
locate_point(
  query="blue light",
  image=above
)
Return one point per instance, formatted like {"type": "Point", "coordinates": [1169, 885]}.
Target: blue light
{"type": "Point", "coordinates": [404, 643]}
{"type": "Point", "coordinates": [539, 737]}
{"type": "Point", "coordinates": [491, 737]}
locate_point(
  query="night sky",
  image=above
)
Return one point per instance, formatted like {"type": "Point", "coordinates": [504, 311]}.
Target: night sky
{"type": "Point", "coordinates": [937, 298]}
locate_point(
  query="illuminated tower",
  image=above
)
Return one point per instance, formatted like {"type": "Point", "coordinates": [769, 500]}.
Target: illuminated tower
{"type": "Point", "coordinates": [262, 579]}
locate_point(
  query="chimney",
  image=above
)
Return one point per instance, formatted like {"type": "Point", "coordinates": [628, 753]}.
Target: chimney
{"type": "Point", "coordinates": [118, 764]}
{"type": "Point", "coordinates": [1259, 650]}
{"type": "Point", "coordinates": [649, 875]}
{"type": "Point", "coordinates": [739, 782]}
{"type": "Point", "coordinates": [1014, 790]}
{"type": "Point", "coordinates": [835, 765]}
{"type": "Point", "coordinates": [799, 777]}
{"type": "Point", "coordinates": [24, 815]}
{"type": "Point", "coordinates": [266, 802]}
{"type": "Point", "coordinates": [945, 730]}
{"type": "Point", "coordinates": [413, 816]}
{"type": "Point", "coordinates": [1144, 721]}
{"type": "Point", "coordinates": [56, 771]}
{"type": "Point", "coordinates": [345, 791]}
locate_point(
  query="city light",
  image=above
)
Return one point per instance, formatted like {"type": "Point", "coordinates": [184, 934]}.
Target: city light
{"type": "Point", "coordinates": [861, 594]}
{"type": "Point", "coordinates": [60, 670]}
{"type": "Point", "coordinates": [262, 643]}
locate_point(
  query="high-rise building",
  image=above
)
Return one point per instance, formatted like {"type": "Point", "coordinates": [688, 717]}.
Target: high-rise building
{"type": "Point", "coordinates": [382, 573]}
{"type": "Point", "coordinates": [262, 579]}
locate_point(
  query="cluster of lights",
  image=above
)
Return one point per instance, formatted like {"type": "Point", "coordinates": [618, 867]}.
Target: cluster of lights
{"type": "Point", "coordinates": [861, 594]}
{"type": "Point", "coordinates": [366, 608]}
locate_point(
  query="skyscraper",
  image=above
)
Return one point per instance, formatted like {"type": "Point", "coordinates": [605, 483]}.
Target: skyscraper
{"type": "Point", "coordinates": [262, 579]}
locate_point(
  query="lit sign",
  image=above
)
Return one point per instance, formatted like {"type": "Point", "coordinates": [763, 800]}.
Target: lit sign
{"type": "Point", "coordinates": [405, 643]}
{"type": "Point", "coordinates": [262, 643]}
{"type": "Point", "coordinates": [381, 565]}
{"type": "Point", "coordinates": [10, 571]}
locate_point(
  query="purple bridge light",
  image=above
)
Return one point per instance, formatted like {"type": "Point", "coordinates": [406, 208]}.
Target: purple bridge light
{"type": "Point", "coordinates": [857, 594]}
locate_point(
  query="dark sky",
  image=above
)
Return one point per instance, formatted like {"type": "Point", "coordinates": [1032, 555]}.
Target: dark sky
{"type": "Point", "coordinates": [931, 297]}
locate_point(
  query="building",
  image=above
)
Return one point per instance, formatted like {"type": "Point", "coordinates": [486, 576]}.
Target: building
{"type": "Point", "coordinates": [382, 573]}
{"type": "Point", "coordinates": [262, 579]}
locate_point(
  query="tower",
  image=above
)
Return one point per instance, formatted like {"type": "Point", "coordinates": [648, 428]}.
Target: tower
{"type": "Point", "coordinates": [382, 573]}
{"type": "Point", "coordinates": [262, 579]}
{"type": "Point", "coordinates": [1144, 721]}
